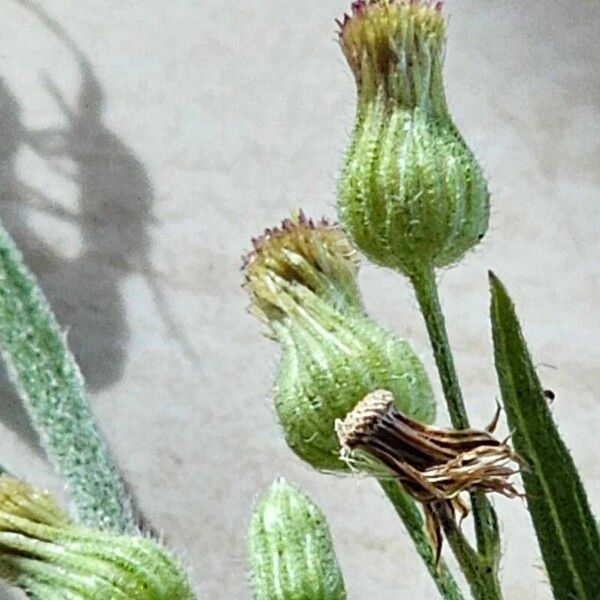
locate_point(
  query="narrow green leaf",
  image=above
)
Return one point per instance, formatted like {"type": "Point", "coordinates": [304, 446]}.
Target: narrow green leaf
{"type": "Point", "coordinates": [564, 524]}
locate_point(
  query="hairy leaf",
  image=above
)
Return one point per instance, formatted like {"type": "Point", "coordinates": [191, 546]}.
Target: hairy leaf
{"type": "Point", "coordinates": [564, 524]}
{"type": "Point", "coordinates": [51, 387]}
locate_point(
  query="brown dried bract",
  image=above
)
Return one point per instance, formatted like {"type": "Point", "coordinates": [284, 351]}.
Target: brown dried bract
{"type": "Point", "coordinates": [433, 464]}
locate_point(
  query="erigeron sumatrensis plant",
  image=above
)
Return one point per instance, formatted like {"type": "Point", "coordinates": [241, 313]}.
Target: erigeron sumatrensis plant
{"type": "Point", "coordinates": [351, 396]}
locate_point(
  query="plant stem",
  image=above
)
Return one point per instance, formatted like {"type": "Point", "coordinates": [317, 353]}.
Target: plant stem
{"type": "Point", "coordinates": [482, 576]}
{"type": "Point", "coordinates": [413, 521]}
{"type": "Point", "coordinates": [427, 296]}
{"type": "Point", "coordinates": [51, 386]}
{"type": "Point", "coordinates": [486, 525]}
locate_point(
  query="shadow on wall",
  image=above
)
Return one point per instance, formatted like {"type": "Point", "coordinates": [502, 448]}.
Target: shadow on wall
{"type": "Point", "coordinates": [113, 214]}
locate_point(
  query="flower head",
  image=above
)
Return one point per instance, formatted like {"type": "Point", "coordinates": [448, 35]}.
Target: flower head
{"type": "Point", "coordinates": [395, 48]}
{"type": "Point", "coordinates": [333, 354]}
{"type": "Point", "coordinates": [411, 195]}
{"type": "Point", "coordinates": [312, 253]}
{"type": "Point", "coordinates": [47, 555]}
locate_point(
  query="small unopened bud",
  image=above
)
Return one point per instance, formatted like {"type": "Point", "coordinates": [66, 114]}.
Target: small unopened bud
{"type": "Point", "coordinates": [411, 194]}
{"type": "Point", "coordinates": [290, 549]}
{"type": "Point", "coordinates": [433, 465]}
{"type": "Point", "coordinates": [45, 554]}
{"type": "Point", "coordinates": [333, 355]}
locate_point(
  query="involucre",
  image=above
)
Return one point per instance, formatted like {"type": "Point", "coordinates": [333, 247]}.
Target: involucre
{"type": "Point", "coordinates": [411, 195]}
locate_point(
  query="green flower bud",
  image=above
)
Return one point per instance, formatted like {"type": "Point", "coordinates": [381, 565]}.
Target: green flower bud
{"type": "Point", "coordinates": [332, 355]}
{"type": "Point", "coordinates": [411, 194]}
{"type": "Point", "coordinates": [290, 549]}
{"type": "Point", "coordinates": [51, 558]}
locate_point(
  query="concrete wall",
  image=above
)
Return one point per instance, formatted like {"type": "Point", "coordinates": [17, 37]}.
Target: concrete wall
{"type": "Point", "coordinates": [143, 144]}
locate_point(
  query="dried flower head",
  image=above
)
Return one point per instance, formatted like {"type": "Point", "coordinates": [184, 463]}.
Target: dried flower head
{"type": "Point", "coordinates": [333, 354]}
{"type": "Point", "coordinates": [48, 556]}
{"type": "Point", "coordinates": [433, 465]}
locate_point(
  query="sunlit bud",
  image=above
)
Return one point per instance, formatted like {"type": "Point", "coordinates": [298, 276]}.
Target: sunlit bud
{"type": "Point", "coordinates": [411, 194]}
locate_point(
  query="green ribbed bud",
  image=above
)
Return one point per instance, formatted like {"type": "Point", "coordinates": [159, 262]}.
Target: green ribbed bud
{"type": "Point", "coordinates": [49, 557]}
{"type": "Point", "coordinates": [290, 549]}
{"type": "Point", "coordinates": [333, 355]}
{"type": "Point", "coordinates": [411, 194]}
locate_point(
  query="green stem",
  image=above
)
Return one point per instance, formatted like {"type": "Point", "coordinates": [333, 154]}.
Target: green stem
{"type": "Point", "coordinates": [413, 521]}
{"type": "Point", "coordinates": [481, 575]}
{"type": "Point", "coordinates": [486, 525]}
{"type": "Point", "coordinates": [51, 386]}
{"type": "Point", "coordinates": [429, 302]}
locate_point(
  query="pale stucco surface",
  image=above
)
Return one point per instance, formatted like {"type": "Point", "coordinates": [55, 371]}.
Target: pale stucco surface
{"type": "Point", "coordinates": [139, 156]}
